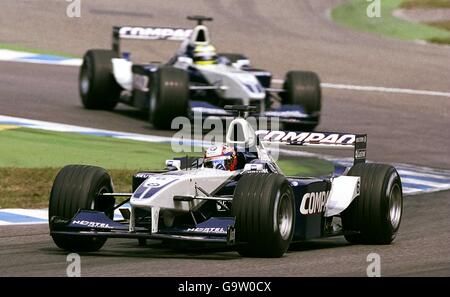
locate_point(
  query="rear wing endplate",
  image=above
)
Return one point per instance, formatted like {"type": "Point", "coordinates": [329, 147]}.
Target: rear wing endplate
{"type": "Point", "coordinates": [356, 142]}
{"type": "Point", "coordinates": [148, 33]}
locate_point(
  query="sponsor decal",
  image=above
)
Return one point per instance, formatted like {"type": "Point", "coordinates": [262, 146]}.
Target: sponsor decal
{"type": "Point", "coordinates": [152, 185]}
{"type": "Point", "coordinates": [92, 224]}
{"type": "Point", "coordinates": [306, 137]}
{"type": "Point", "coordinates": [360, 154]}
{"type": "Point", "coordinates": [207, 230]}
{"type": "Point", "coordinates": [154, 33]}
{"type": "Point", "coordinates": [255, 168]}
{"type": "Point", "coordinates": [361, 139]}
{"type": "Point", "coordinates": [314, 202]}
{"type": "Point", "coordinates": [159, 181]}
{"type": "Point", "coordinates": [143, 175]}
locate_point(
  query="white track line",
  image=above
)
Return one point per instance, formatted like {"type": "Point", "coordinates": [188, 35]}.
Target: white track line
{"type": "Point", "coordinates": [386, 90]}
{"type": "Point", "coordinates": [421, 174]}
{"type": "Point", "coordinates": [17, 56]}
{"type": "Point", "coordinates": [424, 182]}
{"type": "Point", "coordinates": [378, 89]}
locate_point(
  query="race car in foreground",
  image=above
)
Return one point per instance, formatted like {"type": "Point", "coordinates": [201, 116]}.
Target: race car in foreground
{"type": "Point", "coordinates": [195, 82]}
{"type": "Point", "coordinates": [252, 207]}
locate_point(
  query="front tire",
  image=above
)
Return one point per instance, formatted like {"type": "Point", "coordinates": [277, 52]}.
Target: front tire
{"type": "Point", "coordinates": [77, 187]}
{"type": "Point", "coordinates": [170, 99]}
{"type": "Point", "coordinates": [263, 205]}
{"type": "Point", "coordinates": [374, 216]}
{"type": "Point", "coordinates": [97, 85]}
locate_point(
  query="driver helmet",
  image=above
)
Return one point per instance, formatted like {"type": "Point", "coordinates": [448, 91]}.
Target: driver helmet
{"type": "Point", "coordinates": [204, 54]}
{"type": "Point", "coordinates": [221, 157]}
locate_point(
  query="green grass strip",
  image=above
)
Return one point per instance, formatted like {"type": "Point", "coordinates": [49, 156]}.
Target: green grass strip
{"type": "Point", "coordinates": [425, 4]}
{"type": "Point", "coordinates": [33, 148]}
{"type": "Point", "coordinates": [353, 14]}
{"type": "Point", "coordinates": [31, 158]}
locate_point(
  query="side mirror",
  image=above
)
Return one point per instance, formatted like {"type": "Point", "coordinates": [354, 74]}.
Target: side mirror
{"type": "Point", "coordinates": [174, 164]}
{"type": "Point", "coordinates": [241, 63]}
{"type": "Point", "coordinates": [185, 61]}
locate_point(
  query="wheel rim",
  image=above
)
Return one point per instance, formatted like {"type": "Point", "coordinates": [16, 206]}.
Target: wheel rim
{"type": "Point", "coordinates": [285, 216]}
{"type": "Point", "coordinates": [100, 192]}
{"type": "Point", "coordinates": [84, 81]}
{"type": "Point", "coordinates": [152, 103]}
{"type": "Point", "coordinates": [395, 206]}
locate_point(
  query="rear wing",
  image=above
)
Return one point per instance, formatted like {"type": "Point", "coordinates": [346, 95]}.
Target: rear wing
{"type": "Point", "coordinates": [148, 33]}
{"type": "Point", "coordinates": [356, 142]}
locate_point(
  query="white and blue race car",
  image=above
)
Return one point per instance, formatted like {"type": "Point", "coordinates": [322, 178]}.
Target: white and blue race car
{"type": "Point", "coordinates": [195, 82]}
{"type": "Point", "coordinates": [252, 207]}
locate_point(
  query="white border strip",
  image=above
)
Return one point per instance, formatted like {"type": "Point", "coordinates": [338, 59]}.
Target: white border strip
{"type": "Point", "coordinates": [25, 57]}
{"type": "Point", "coordinates": [18, 56]}
{"type": "Point", "coordinates": [386, 90]}
{"type": "Point", "coordinates": [378, 89]}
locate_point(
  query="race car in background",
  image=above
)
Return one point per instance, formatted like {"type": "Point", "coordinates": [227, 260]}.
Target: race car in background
{"type": "Point", "coordinates": [251, 206]}
{"type": "Point", "coordinates": [195, 82]}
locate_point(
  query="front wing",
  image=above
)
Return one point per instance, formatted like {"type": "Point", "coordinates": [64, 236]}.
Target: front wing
{"type": "Point", "coordinates": [95, 223]}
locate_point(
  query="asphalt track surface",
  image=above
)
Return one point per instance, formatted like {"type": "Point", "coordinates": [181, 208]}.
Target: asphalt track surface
{"type": "Point", "coordinates": [293, 35]}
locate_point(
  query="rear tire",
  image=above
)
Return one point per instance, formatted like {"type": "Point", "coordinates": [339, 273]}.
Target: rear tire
{"type": "Point", "coordinates": [97, 85]}
{"type": "Point", "coordinates": [77, 187]}
{"type": "Point", "coordinates": [170, 98]}
{"type": "Point", "coordinates": [263, 205]}
{"type": "Point", "coordinates": [374, 217]}
{"type": "Point", "coordinates": [303, 88]}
